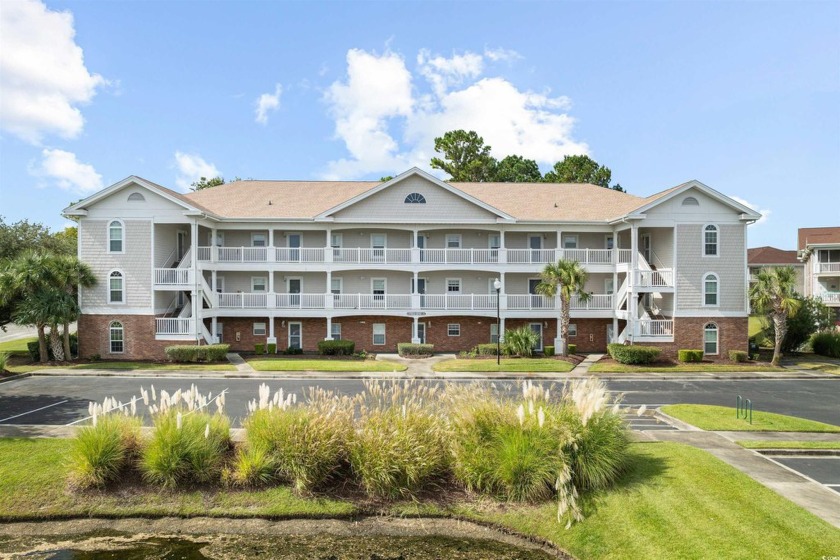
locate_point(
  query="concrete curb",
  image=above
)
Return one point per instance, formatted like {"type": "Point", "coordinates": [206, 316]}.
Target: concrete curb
{"type": "Point", "coordinates": [677, 423]}
{"type": "Point", "coordinates": [15, 377]}
{"type": "Point", "coordinates": [786, 452]}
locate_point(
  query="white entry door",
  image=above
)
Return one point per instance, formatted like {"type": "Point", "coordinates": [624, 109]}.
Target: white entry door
{"type": "Point", "coordinates": [538, 329]}
{"type": "Point", "coordinates": [295, 335]}
{"type": "Point", "coordinates": [294, 242]}
{"type": "Point", "coordinates": [295, 286]}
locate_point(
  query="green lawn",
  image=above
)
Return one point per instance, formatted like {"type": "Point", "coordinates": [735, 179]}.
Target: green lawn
{"type": "Point", "coordinates": [770, 444]}
{"type": "Point", "coordinates": [508, 364]}
{"type": "Point", "coordinates": [674, 502]}
{"type": "Point", "coordinates": [756, 325]}
{"type": "Point", "coordinates": [722, 418]}
{"type": "Point", "coordinates": [614, 367]}
{"type": "Point", "coordinates": [304, 364]}
{"type": "Point", "coordinates": [16, 346]}
{"type": "Point", "coordinates": [812, 362]}
{"type": "Point", "coordinates": [131, 366]}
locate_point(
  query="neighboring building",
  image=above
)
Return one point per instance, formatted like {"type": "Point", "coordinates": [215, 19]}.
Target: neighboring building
{"type": "Point", "coordinates": [819, 251]}
{"type": "Point", "coordinates": [771, 257]}
{"type": "Point", "coordinates": [413, 258]}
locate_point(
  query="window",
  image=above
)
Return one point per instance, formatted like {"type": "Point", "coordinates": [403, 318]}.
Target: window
{"type": "Point", "coordinates": [453, 329]}
{"type": "Point", "coordinates": [136, 197]}
{"type": "Point", "coordinates": [415, 198]}
{"type": "Point", "coordinates": [335, 285]}
{"type": "Point", "coordinates": [453, 240]}
{"type": "Point", "coordinates": [115, 237]}
{"type": "Point", "coordinates": [258, 240]}
{"type": "Point", "coordinates": [572, 330]}
{"type": "Point", "coordinates": [116, 287]}
{"type": "Point", "coordinates": [379, 334]}
{"type": "Point", "coordinates": [335, 331]}
{"type": "Point", "coordinates": [378, 286]}
{"type": "Point", "coordinates": [710, 241]}
{"type": "Point", "coordinates": [453, 285]}
{"type": "Point", "coordinates": [117, 337]}
{"type": "Point", "coordinates": [711, 288]}
{"type": "Point", "coordinates": [259, 284]}
{"type": "Point", "coordinates": [690, 201]}
{"type": "Point", "coordinates": [609, 242]}
{"type": "Point", "coordinates": [259, 329]}
{"type": "Point", "coordinates": [570, 242]}
{"type": "Point", "coordinates": [494, 241]}
{"type": "Point", "coordinates": [336, 239]}
{"type": "Point", "coordinates": [710, 339]}
{"type": "Point", "coordinates": [494, 333]}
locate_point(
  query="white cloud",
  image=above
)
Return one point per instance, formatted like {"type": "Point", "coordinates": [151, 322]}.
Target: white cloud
{"type": "Point", "coordinates": [378, 99]}
{"type": "Point", "coordinates": [191, 168]}
{"type": "Point", "coordinates": [765, 212]}
{"type": "Point", "coordinates": [43, 77]}
{"type": "Point", "coordinates": [66, 172]}
{"type": "Point", "coordinates": [502, 55]}
{"type": "Point", "coordinates": [267, 102]}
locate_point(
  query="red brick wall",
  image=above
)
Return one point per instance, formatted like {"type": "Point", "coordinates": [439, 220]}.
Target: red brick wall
{"type": "Point", "coordinates": [138, 333]}
{"type": "Point", "coordinates": [733, 334]}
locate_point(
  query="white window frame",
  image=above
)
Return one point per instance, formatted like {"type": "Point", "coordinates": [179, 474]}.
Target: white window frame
{"type": "Point", "coordinates": [111, 341]}
{"type": "Point", "coordinates": [494, 333]}
{"type": "Point", "coordinates": [256, 329]}
{"type": "Point", "coordinates": [289, 334]}
{"type": "Point", "coordinates": [703, 241]}
{"type": "Point", "coordinates": [340, 281]}
{"type": "Point", "coordinates": [122, 287]}
{"type": "Point", "coordinates": [706, 277]}
{"type": "Point", "coordinates": [255, 235]}
{"type": "Point", "coordinates": [716, 330]}
{"type": "Point", "coordinates": [609, 241]}
{"type": "Point", "coordinates": [572, 330]}
{"type": "Point", "coordinates": [567, 238]}
{"type": "Point", "coordinates": [460, 286]}
{"type": "Point", "coordinates": [384, 240]}
{"type": "Point", "coordinates": [335, 329]}
{"type": "Point", "coordinates": [453, 329]}
{"type": "Point", "coordinates": [122, 236]}
{"type": "Point", "coordinates": [254, 282]}
{"type": "Point", "coordinates": [494, 236]}
{"type": "Point", "coordinates": [220, 238]}
{"type": "Point", "coordinates": [376, 327]}
{"type": "Point", "coordinates": [456, 238]}
{"type": "Point", "coordinates": [137, 197]}
{"type": "Point", "coordinates": [373, 282]}
{"type": "Point", "coordinates": [336, 240]}
{"type": "Point", "coordinates": [609, 285]}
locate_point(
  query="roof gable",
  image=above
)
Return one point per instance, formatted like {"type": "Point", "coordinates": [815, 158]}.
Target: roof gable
{"type": "Point", "coordinates": [771, 255]}
{"type": "Point", "coordinates": [81, 208]}
{"type": "Point", "coordinates": [667, 195]}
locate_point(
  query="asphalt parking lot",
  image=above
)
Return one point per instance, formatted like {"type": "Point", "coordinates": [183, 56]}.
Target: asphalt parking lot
{"type": "Point", "coordinates": [825, 470]}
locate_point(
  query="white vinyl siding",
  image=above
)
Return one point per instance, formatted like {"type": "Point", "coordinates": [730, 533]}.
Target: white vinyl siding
{"type": "Point", "coordinates": [728, 266]}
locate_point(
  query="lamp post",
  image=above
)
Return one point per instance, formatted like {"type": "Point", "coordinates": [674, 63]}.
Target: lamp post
{"type": "Point", "coordinates": [498, 285]}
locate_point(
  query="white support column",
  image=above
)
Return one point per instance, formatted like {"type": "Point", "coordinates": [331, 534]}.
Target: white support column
{"type": "Point", "coordinates": [502, 328]}
{"type": "Point", "coordinates": [271, 237]}
{"type": "Point", "coordinates": [329, 328]}
{"type": "Point", "coordinates": [415, 335]}
{"type": "Point", "coordinates": [214, 251]}
{"type": "Point", "coordinates": [502, 247]}
{"type": "Point", "coordinates": [214, 325]}
{"type": "Point", "coordinates": [213, 282]}
{"type": "Point", "coordinates": [560, 254]}
{"type": "Point", "coordinates": [270, 281]}
{"type": "Point", "coordinates": [632, 274]}
{"type": "Point", "coordinates": [194, 293]}
{"type": "Point", "coordinates": [558, 340]}
{"type": "Point", "coordinates": [272, 339]}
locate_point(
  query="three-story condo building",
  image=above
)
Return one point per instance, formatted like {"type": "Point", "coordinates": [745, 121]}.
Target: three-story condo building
{"type": "Point", "coordinates": [411, 259]}
{"type": "Point", "coordinates": [819, 250]}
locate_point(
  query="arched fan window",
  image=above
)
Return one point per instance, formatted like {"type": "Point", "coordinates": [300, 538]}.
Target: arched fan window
{"type": "Point", "coordinates": [136, 197]}
{"type": "Point", "coordinates": [415, 198]}
{"type": "Point", "coordinates": [690, 201]}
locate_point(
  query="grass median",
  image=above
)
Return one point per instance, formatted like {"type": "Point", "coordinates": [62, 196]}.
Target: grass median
{"type": "Point", "coordinates": [770, 444]}
{"type": "Point", "coordinates": [610, 366]}
{"type": "Point", "coordinates": [674, 502]}
{"type": "Point", "coordinates": [722, 419]}
{"type": "Point", "coordinates": [508, 364]}
{"type": "Point", "coordinates": [336, 365]}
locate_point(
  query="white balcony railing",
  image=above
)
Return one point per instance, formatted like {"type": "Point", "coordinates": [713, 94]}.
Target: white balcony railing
{"type": "Point", "coordinates": [299, 301]}
{"type": "Point", "coordinates": [830, 297]}
{"type": "Point", "coordinates": [371, 256]}
{"type": "Point", "coordinates": [173, 276]}
{"type": "Point", "coordinates": [655, 328]}
{"type": "Point", "coordinates": [301, 255]}
{"type": "Point", "coordinates": [662, 278]}
{"type": "Point", "coordinates": [829, 267]}
{"type": "Point", "coordinates": [596, 302]}
{"type": "Point", "coordinates": [174, 326]}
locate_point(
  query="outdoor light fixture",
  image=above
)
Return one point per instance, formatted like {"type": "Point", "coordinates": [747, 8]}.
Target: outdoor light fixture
{"type": "Point", "coordinates": [498, 286]}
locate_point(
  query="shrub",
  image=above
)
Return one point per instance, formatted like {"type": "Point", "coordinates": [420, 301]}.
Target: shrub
{"type": "Point", "coordinates": [100, 452]}
{"type": "Point", "coordinates": [259, 348]}
{"type": "Point", "coordinates": [633, 354]}
{"type": "Point", "coordinates": [206, 353]}
{"type": "Point", "coordinates": [411, 349]}
{"type": "Point", "coordinates": [572, 348]}
{"type": "Point", "coordinates": [548, 351]}
{"type": "Point", "coordinates": [521, 341]}
{"type": "Point", "coordinates": [826, 343]}
{"type": "Point", "coordinates": [599, 454]}
{"type": "Point", "coordinates": [306, 443]}
{"type": "Point", "coordinates": [336, 347]}
{"type": "Point", "coordinates": [690, 355]}
{"type": "Point", "coordinates": [252, 466]}
{"type": "Point", "coordinates": [738, 356]}
{"type": "Point", "coordinates": [35, 354]}
{"type": "Point", "coordinates": [488, 349]}
{"type": "Point", "coordinates": [812, 316]}
{"type": "Point", "coordinates": [293, 351]}
{"type": "Point", "coordinates": [271, 348]}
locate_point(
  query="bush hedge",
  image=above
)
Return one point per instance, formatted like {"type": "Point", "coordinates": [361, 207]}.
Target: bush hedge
{"type": "Point", "coordinates": [259, 348]}
{"type": "Point", "coordinates": [338, 347]}
{"type": "Point", "coordinates": [271, 348]}
{"type": "Point", "coordinates": [572, 348]}
{"type": "Point", "coordinates": [487, 349]}
{"type": "Point", "coordinates": [690, 355]}
{"type": "Point", "coordinates": [826, 343]}
{"type": "Point", "coordinates": [207, 353]}
{"type": "Point", "coordinates": [411, 349]}
{"type": "Point", "coordinates": [293, 351]}
{"type": "Point", "coordinates": [35, 354]}
{"type": "Point", "coordinates": [548, 351]}
{"type": "Point", "coordinates": [633, 354]}
{"type": "Point", "coordinates": [738, 356]}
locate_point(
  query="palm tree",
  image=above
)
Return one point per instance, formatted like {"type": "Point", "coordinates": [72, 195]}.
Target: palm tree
{"type": "Point", "coordinates": [566, 278]}
{"type": "Point", "coordinates": [70, 273]}
{"type": "Point", "coordinates": [20, 280]}
{"type": "Point", "coordinates": [774, 294]}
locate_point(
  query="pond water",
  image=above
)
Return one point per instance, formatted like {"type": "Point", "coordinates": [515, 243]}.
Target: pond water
{"type": "Point", "coordinates": [117, 546]}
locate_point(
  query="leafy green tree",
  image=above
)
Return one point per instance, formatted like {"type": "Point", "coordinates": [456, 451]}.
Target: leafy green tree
{"type": "Point", "coordinates": [386, 178]}
{"type": "Point", "coordinates": [20, 236]}
{"type": "Point", "coordinates": [205, 183]}
{"type": "Point", "coordinates": [581, 169]}
{"type": "Point", "coordinates": [517, 169]}
{"type": "Point", "coordinates": [465, 156]}
{"type": "Point", "coordinates": [566, 278]}
{"type": "Point", "coordinates": [813, 315]}
{"type": "Point", "coordinates": [774, 294]}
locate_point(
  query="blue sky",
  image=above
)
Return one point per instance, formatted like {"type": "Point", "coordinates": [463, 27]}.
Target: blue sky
{"type": "Point", "coordinates": [744, 96]}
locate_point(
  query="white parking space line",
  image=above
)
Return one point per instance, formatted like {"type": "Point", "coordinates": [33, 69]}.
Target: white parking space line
{"type": "Point", "coordinates": [35, 410]}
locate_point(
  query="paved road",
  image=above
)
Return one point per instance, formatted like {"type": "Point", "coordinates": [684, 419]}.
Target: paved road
{"type": "Point", "coordinates": [59, 400]}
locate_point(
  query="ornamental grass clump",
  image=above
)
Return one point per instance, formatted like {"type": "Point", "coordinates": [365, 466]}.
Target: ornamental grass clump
{"type": "Point", "coordinates": [399, 446]}
{"type": "Point", "coordinates": [103, 450]}
{"type": "Point", "coordinates": [189, 444]}
{"type": "Point", "coordinates": [305, 443]}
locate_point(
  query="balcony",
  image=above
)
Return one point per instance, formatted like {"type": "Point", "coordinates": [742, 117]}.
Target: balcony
{"type": "Point", "coordinates": [654, 329]}
{"type": "Point", "coordinates": [828, 268]}
{"type": "Point", "coordinates": [181, 278]}
{"type": "Point", "coordinates": [830, 298]}
{"type": "Point", "coordinates": [174, 328]}
{"type": "Point", "coordinates": [662, 278]}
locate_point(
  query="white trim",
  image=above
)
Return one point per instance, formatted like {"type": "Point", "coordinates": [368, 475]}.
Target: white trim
{"type": "Point", "coordinates": [539, 346]}
{"type": "Point", "coordinates": [123, 290]}
{"type": "Point", "coordinates": [339, 237]}
{"type": "Point", "coordinates": [449, 329]}
{"type": "Point", "coordinates": [717, 291]}
{"type": "Point", "coordinates": [384, 285]}
{"type": "Point", "coordinates": [569, 236]}
{"type": "Point", "coordinates": [703, 241]}
{"type": "Point", "coordinates": [122, 311]}
{"type": "Point", "coordinates": [717, 339]}
{"type": "Point", "coordinates": [340, 280]}
{"type": "Point", "coordinates": [607, 237]}
{"type": "Point", "coordinates": [708, 313]}
{"type": "Point", "coordinates": [254, 329]}
{"type": "Point", "coordinates": [333, 325]}
{"type": "Point", "coordinates": [108, 236]}
{"type": "Point", "coordinates": [111, 342]}
{"type": "Point", "coordinates": [265, 239]}
{"type": "Point", "coordinates": [80, 208]}
{"type": "Point", "coordinates": [460, 286]}
{"type": "Point", "coordinates": [571, 334]}
{"type": "Point", "coordinates": [747, 213]}
{"type": "Point", "coordinates": [289, 280]}
{"type": "Point", "coordinates": [288, 235]}
{"type": "Point", "coordinates": [265, 283]}
{"type": "Point", "coordinates": [383, 333]}
{"type": "Point", "coordinates": [538, 236]}
{"type": "Point", "coordinates": [490, 236]}
{"type": "Point", "coordinates": [384, 240]}
{"type": "Point", "coordinates": [289, 334]}
{"type": "Point", "coordinates": [457, 237]}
